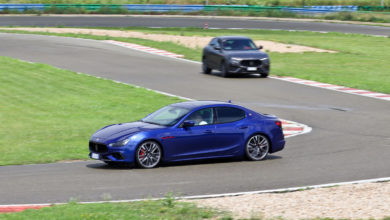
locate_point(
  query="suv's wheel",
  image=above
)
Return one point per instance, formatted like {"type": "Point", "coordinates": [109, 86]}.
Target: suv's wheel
{"type": "Point", "coordinates": [263, 75]}
{"type": "Point", "coordinates": [148, 154]}
{"type": "Point", "coordinates": [205, 68]}
{"type": "Point", "coordinates": [224, 71]}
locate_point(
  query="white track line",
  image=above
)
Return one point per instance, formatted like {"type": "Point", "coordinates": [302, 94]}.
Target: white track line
{"type": "Point", "coordinates": [280, 190]}
{"type": "Point", "coordinates": [144, 49]}
{"type": "Point", "coordinates": [337, 88]}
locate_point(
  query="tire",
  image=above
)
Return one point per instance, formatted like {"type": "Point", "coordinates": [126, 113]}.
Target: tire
{"type": "Point", "coordinates": [148, 154]}
{"type": "Point", "coordinates": [205, 68]}
{"type": "Point", "coordinates": [263, 75]}
{"type": "Point", "coordinates": [224, 71]}
{"type": "Point", "coordinates": [257, 147]}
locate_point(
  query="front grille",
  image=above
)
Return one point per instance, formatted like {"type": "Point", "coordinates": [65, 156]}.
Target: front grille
{"type": "Point", "coordinates": [97, 147]}
{"type": "Point", "coordinates": [251, 63]}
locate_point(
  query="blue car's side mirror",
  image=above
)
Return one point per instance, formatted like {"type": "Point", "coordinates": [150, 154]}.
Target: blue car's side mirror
{"type": "Point", "coordinates": [188, 123]}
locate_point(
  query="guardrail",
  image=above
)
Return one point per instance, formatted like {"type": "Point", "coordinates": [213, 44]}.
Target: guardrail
{"type": "Point", "coordinates": [321, 9]}
{"type": "Point", "coordinates": [165, 8]}
{"type": "Point", "coordinates": [374, 8]}
{"type": "Point", "coordinates": [188, 8]}
{"type": "Point", "coordinates": [22, 7]}
{"type": "Point", "coordinates": [243, 8]}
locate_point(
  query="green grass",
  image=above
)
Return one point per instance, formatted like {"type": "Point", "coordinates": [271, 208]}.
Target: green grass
{"type": "Point", "coordinates": [147, 210]}
{"type": "Point", "coordinates": [232, 2]}
{"type": "Point", "coordinates": [361, 61]}
{"type": "Point", "coordinates": [48, 114]}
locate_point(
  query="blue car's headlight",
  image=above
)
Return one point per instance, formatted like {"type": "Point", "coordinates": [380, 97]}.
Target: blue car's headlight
{"type": "Point", "coordinates": [120, 143]}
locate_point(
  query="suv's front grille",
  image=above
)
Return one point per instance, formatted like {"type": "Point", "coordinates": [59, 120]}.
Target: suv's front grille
{"type": "Point", "coordinates": [251, 62]}
{"type": "Point", "coordinates": [97, 147]}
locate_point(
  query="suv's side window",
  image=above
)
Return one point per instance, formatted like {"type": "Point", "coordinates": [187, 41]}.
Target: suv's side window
{"type": "Point", "coordinates": [229, 114]}
{"type": "Point", "coordinates": [213, 42]}
{"type": "Point", "coordinates": [202, 117]}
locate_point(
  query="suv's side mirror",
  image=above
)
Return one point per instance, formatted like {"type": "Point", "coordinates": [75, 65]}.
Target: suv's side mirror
{"type": "Point", "coordinates": [260, 47]}
{"type": "Point", "coordinates": [217, 47]}
{"type": "Point", "coordinates": [188, 123]}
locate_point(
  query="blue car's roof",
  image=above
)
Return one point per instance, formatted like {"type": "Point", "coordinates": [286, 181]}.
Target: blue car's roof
{"type": "Point", "coordinates": [196, 104]}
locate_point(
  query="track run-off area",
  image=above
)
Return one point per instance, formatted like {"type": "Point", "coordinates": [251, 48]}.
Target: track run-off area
{"type": "Point", "coordinates": [350, 138]}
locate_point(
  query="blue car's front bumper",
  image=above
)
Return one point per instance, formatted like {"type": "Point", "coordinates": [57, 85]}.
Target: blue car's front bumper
{"type": "Point", "coordinates": [101, 151]}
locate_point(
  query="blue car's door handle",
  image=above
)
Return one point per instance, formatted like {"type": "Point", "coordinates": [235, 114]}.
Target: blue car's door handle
{"type": "Point", "coordinates": [208, 132]}
{"type": "Point", "coordinates": [243, 127]}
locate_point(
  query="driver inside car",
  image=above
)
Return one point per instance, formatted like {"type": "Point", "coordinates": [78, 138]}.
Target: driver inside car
{"type": "Point", "coordinates": [199, 119]}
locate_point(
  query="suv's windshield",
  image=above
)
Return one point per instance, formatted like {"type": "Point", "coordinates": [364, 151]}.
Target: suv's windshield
{"type": "Point", "coordinates": [238, 44]}
{"type": "Point", "coordinates": [166, 116]}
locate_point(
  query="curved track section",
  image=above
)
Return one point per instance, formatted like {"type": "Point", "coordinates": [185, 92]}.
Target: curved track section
{"type": "Point", "coordinates": [188, 21]}
{"type": "Point", "coordinates": [345, 145]}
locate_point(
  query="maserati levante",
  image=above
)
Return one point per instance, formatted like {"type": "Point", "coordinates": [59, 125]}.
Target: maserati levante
{"type": "Point", "coordinates": [235, 55]}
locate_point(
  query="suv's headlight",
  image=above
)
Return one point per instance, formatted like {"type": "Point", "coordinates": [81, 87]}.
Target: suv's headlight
{"type": "Point", "coordinates": [120, 143]}
{"type": "Point", "coordinates": [235, 60]}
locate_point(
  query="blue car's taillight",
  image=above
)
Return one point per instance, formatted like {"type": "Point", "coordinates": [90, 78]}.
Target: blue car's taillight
{"type": "Point", "coordinates": [279, 124]}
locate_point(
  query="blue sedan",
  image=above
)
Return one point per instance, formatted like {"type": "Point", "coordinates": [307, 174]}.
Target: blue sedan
{"type": "Point", "coordinates": [189, 131]}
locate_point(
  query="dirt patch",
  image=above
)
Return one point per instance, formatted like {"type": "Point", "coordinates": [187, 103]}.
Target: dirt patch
{"type": "Point", "coordinates": [357, 201]}
{"type": "Point", "coordinates": [187, 41]}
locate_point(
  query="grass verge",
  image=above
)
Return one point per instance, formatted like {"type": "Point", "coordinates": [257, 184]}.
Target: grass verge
{"type": "Point", "coordinates": [48, 114]}
{"type": "Point", "coordinates": [361, 61]}
{"type": "Point", "coordinates": [211, 2]}
{"type": "Point", "coordinates": [160, 209]}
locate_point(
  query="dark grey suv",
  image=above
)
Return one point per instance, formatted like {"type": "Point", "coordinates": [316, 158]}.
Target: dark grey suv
{"type": "Point", "coordinates": [235, 55]}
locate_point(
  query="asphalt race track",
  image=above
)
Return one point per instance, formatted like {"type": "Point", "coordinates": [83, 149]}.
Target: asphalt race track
{"type": "Point", "coordinates": [350, 138]}
{"type": "Point", "coordinates": [175, 21]}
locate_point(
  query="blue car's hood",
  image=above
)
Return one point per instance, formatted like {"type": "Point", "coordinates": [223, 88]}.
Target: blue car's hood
{"type": "Point", "coordinates": [255, 54]}
{"type": "Point", "coordinates": [117, 131]}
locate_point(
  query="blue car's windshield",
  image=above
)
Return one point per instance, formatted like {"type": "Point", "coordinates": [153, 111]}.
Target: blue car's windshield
{"type": "Point", "coordinates": [238, 44]}
{"type": "Point", "coordinates": [166, 116]}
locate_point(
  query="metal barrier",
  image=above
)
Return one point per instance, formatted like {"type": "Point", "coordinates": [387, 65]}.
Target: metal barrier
{"type": "Point", "coordinates": [191, 8]}
{"type": "Point", "coordinates": [242, 8]}
{"type": "Point", "coordinates": [374, 8]}
{"type": "Point", "coordinates": [322, 9]}
{"type": "Point", "coordinates": [87, 7]}
{"type": "Point", "coordinates": [165, 8]}
{"type": "Point", "coordinates": [22, 7]}
{"type": "Point", "coordinates": [334, 8]}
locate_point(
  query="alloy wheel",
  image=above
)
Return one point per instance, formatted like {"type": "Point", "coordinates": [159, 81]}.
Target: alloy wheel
{"type": "Point", "coordinates": [257, 147]}
{"type": "Point", "coordinates": [148, 154]}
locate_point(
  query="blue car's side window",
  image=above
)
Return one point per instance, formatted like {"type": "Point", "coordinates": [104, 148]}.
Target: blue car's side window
{"type": "Point", "coordinates": [229, 114]}
{"type": "Point", "coordinates": [202, 117]}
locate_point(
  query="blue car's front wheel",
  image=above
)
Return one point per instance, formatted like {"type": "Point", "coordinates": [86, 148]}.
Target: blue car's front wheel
{"type": "Point", "coordinates": [257, 147]}
{"type": "Point", "coordinates": [148, 154]}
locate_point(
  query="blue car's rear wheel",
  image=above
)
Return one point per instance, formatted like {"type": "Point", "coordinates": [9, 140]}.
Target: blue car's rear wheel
{"type": "Point", "coordinates": [148, 154]}
{"type": "Point", "coordinates": [257, 147]}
